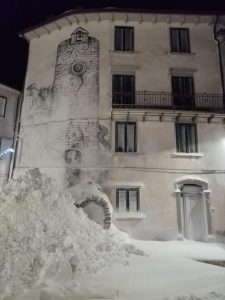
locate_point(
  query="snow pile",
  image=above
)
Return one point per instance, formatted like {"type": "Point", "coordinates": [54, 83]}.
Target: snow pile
{"type": "Point", "coordinates": [210, 296]}
{"type": "Point", "coordinates": [45, 239]}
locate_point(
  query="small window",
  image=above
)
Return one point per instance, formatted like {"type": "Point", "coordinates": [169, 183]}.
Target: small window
{"type": "Point", "coordinates": [127, 199]}
{"type": "Point", "coordinates": [123, 90]}
{"type": "Point", "coordinates": [2, 106]}
{"type": "Point", "coordinates": [125, 137]}
{"type": "Point", "coordinates": [180, 40]}
{"type": "Point", "coordinates": [79, 36]}
{"type": "Point", "coordinates": [186, 138]}
{"type": "Point", "coordinates": [124, 38]}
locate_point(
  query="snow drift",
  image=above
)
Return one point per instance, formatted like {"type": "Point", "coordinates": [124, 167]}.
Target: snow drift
{"type": "Point", "coordinates": [46, 240]}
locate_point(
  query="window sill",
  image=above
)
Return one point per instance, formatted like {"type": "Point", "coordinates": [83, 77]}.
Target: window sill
{"type": "Point", "coordinates": [181, 53]}
{"type": "Point", "coordinates": [124, 52]}
{"type": "Point", "coordinates": [126, 153]}
{"type": "Point", "coordinates": [187, 155]}
{"type": "Point", "coordinates": [129, 216]}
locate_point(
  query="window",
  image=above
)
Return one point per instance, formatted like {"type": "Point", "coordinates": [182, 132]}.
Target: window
{"type": "Point", "coordinates": [2, 106]}
{"type": "Point", "coordinates": [123, 90]}
{"type": "Point", "coordinates": [179, 40]}
{"type": "Point", "coordinates": [127, 199]}
{"type": "Point", "coordinates": [186, 138]}
{"type": "Point", "coordinates": [183, 91]}
{"type": "Point", "coordinates": [125, 137]}
{"type": "Point", "coordinates": [124, 38]}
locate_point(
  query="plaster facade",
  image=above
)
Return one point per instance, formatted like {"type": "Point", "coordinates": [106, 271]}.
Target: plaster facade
{"type": "Point", "coordinates": [8, 110]}
{"type": "Point", "coordinates": [68, 122]}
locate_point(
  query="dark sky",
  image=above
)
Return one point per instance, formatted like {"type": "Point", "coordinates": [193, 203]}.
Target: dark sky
{"type": "Point", "coordinates": [16, 15]}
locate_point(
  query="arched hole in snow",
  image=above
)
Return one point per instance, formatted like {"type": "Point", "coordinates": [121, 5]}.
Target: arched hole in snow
{"type": "Point", "coordinates": [103, 205]}
{"type": "Point", "coordinates": [95, 212]}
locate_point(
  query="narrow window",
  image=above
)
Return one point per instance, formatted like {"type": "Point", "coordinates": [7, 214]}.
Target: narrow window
{"type": "Point", "coordinates": [2, 106]}
{"type": "Point", "coordinates": [186, 138]}
{"type": "Point", "coordinates": [124, 38]}
{"type": "Point", "coordinates": [123, 90]}
{"type": "Point", "coordinates": [180, 40]}
{"type": "Point", "coordinates": [125, 137]}
{"type": "Point", "coordinates": [127, 199]}
{"type": "Point", "coordinates": [183, 92]}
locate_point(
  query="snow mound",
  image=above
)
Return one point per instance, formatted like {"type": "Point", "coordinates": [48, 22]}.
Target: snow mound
{"type": "Point", "coordinates": [210, 296]}
{"type": "Point", "coordinates": [45, 240]}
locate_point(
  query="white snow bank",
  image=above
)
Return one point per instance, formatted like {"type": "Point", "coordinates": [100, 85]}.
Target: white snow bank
{"type": "Point", "coordinates": [210, 296]}
{"type": "Point", "coordinates": [46, 241]}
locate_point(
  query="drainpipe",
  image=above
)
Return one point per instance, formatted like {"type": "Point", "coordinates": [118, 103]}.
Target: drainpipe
{"type": "Point", "coordinates": [220, 56]}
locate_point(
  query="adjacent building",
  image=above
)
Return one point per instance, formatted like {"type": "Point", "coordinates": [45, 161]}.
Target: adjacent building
{"type": "Point", "coordinates": [9, 99]}
{"type": "Point", "coordinates": [133, 100]}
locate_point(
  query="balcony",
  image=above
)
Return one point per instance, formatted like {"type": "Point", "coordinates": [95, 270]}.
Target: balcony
{"type": "Point", "coordinates": [198, 102]}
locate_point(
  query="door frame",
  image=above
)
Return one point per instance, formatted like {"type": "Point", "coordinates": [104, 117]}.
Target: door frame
{"type": "Point", "coordinates": [206, 207]}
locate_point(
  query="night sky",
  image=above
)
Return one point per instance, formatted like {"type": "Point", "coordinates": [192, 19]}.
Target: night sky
{"type": "Point", "coordinates": [16, 15]}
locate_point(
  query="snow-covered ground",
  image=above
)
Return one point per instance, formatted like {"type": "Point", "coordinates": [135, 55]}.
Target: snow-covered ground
{"type": "Point", "coordinates": [169, 272]}
{"type": "Point", "coordinates": [50, 250]}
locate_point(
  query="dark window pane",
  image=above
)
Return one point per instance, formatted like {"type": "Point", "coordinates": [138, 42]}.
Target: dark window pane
{"type": "Point", "coordinates": [183, 91]}
{"type": "Point", "coordinates": [123, 89]}
{"type": "Point", "coordinates": [179, 40]}
{"type": "Point", "coordinates": [124, 38]}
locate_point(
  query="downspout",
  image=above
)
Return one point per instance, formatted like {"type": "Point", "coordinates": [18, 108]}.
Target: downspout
{"type": "Point", "coordinates": [220, 57]}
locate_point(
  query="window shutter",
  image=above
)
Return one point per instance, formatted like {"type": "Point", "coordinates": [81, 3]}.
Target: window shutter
{"type": "Point", "coordinates": [131, 133]}
{"type": "Point", "coordinates": [3, 101]}
{"type": "Point", "coordinates": [122, 200]}
{"type": "Point", "coordinates": [133, 200]}
{"type": "Point", "coordinates": [128, 39]}
{"type": "Point", "coordinates": [191, 136]}
{"type": "Point", "coordinates": [120, 137]}
{"type": "Point", "coordinates": [184, 40]}
{"type": "Point", "coordinates": [181, 138]}
{"type": "Point", "coordinates": [118, 39]}
{"type": "Point", "coordinates": [174, 36]}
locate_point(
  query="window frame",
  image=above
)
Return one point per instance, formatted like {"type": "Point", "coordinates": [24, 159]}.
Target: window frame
{"type": "Point", "coordinates": [3, 98]}
{"type": "Point", "coordinates": [123, 48]}
{"type": "Point", "coordinates": [187, 141]}
{"type": "Point", "coordinates": [125, 137]}
{"type": "Point", "coordinates": [128, 189]}
{"type": "Point", "coordinates": [179, 41]}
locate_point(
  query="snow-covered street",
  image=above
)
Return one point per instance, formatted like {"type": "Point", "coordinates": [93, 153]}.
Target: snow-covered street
{"type": "Point", "coordinates": [51, 250]}
{"type": "Point", "coordinates": [168, 272]}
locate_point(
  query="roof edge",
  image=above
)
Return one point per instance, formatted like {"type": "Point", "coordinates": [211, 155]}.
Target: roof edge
{"type": "Point", "coordinates": [126, 10]}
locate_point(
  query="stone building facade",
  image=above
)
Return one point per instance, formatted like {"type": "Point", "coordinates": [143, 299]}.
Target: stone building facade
{"type": "Point", "coordinates": [133, 101]}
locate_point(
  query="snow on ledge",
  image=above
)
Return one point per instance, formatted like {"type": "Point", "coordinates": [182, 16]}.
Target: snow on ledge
{"type": "Point", "coordinates": [187, 155]}
{"type": "Point", "coordinates": [129, 216]}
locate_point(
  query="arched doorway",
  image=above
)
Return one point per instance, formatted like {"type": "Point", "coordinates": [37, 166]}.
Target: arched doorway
{"type": "Point", "coordinates": [193, 210]}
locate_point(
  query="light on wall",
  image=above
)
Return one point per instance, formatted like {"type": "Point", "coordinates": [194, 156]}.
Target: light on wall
{"type": "Point", "coordinates": [6, 151]}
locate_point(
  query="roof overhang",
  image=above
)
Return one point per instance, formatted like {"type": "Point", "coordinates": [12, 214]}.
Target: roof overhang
{"type": "Point", "coordinates": [72, 17]}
